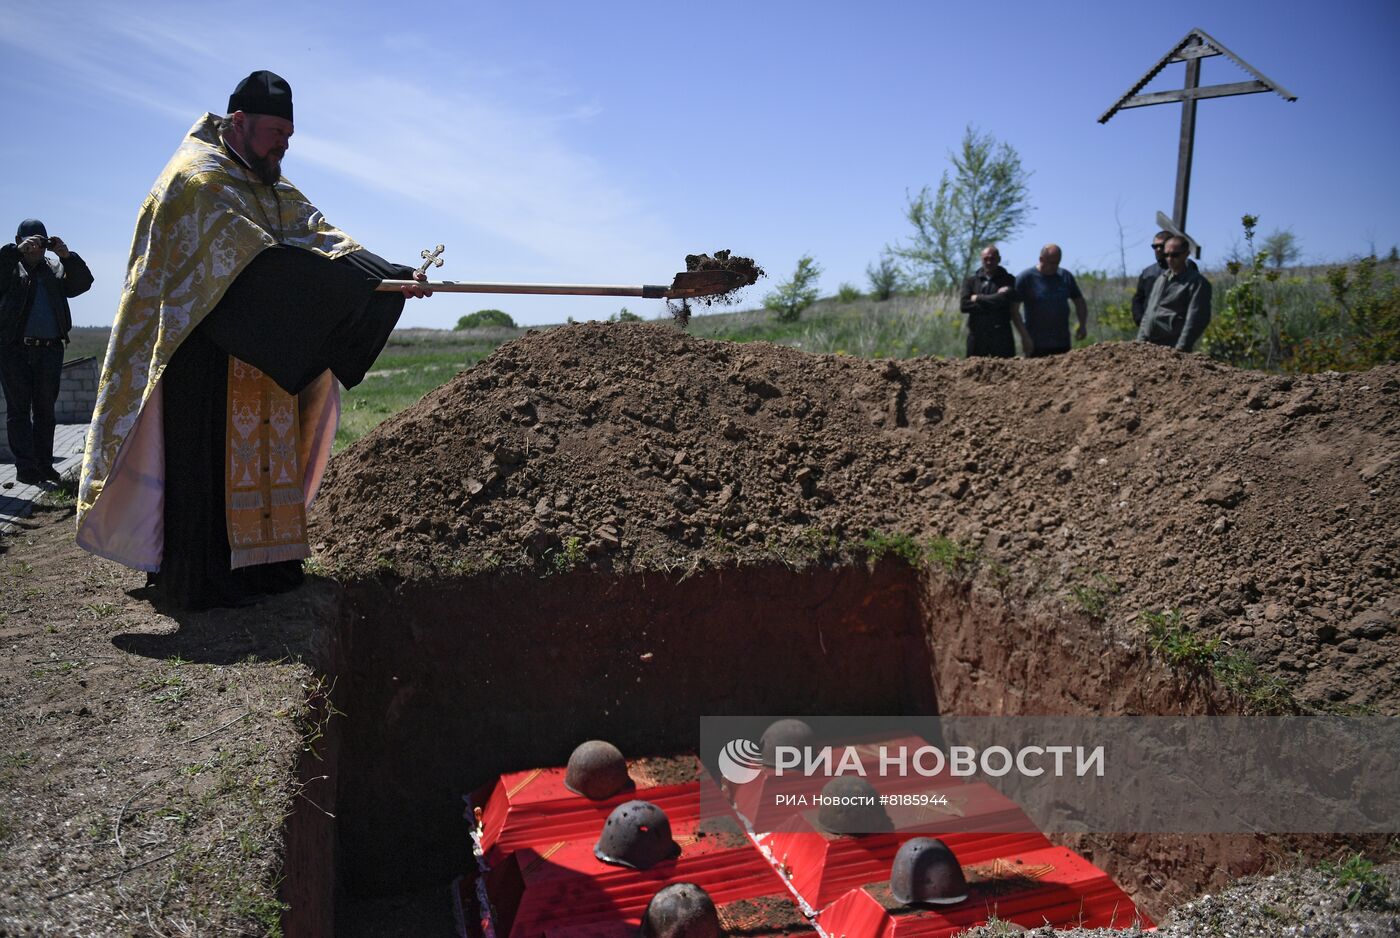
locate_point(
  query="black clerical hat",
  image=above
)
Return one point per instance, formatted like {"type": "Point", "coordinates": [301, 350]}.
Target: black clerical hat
{"type": "Point", "coordinates": [262, 92]}
{"type": "Point", "coordinates": [30, 226]}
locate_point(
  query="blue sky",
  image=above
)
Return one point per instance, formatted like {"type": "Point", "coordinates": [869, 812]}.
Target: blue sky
{"type": "Point", "coordinates": [602, 142]}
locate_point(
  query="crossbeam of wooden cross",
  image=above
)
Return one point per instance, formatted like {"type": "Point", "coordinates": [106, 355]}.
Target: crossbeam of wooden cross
{"type": "Point", "coordinates": [1195, 46]}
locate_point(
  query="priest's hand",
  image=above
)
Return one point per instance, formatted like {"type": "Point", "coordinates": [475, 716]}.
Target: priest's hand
{"type": "Point", "coordinates": [58, 247]}
{"type": "Point", "coordinates": [415, 292]}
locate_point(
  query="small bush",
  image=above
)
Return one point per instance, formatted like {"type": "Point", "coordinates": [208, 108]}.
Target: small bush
{"type": "Point", "coordinates": [624, 315]}
{"type": "Point", "coordinates": [848, 293]}
{"type": "Point", "coordinates": [795, 295]}
{"type": "Point", "coordinates": [884, 278]}
{"type": "Point", "coordinates": [484, 318]}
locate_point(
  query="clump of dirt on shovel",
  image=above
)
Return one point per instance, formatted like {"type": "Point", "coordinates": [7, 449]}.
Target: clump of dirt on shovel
{"type": "Point", "coordinates": [748, 272]}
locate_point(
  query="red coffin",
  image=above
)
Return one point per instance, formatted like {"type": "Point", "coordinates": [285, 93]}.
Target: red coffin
{"type": "Point", "coordinates": [1047, 886]}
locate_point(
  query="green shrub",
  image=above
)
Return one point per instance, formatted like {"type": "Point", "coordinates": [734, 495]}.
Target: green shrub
{"type": "Point", "coordinates": [1240, 331]}
{"type": "Point", "coordinates": [624, 315]}
{"type": "Point", "coordinates": [884, 277]}
{"type": "Point", "coordinates": [484, 318]}
{"type": "Point", "coordinates": [795, 295]}
{"type": "Point", "coordinates": [1357, 327]}
{"type": "Point", "coordinates": [848, 293]}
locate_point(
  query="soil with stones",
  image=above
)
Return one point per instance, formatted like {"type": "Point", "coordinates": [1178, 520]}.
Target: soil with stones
{"type": "Point", "coordinates": [1113, 481]}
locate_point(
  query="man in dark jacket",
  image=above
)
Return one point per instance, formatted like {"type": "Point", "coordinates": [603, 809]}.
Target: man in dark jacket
{"type": "Point", "coordinates": [989, 300]}
{"type": "Point", "coordinates": [34, 325]}
{"type": "Point", "coordinates": [1178, 310]}
{"type": "Point", "coordinates": [1149, 274]}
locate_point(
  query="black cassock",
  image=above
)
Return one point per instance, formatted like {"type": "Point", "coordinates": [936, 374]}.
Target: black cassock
{"type": "Point", "coordinates": [292, 314]}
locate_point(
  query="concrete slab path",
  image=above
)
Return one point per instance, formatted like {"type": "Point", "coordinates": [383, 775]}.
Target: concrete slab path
{"type": "Point", "coordinates": [17, 499]}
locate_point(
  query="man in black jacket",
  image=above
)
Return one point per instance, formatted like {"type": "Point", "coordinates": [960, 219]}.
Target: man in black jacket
{"type": "Point", "coordinates": [34, 325]}
{"type": "Point", "coordinates": [1149, 275]}
{"type": "Point", "coordinates": [989, 300]}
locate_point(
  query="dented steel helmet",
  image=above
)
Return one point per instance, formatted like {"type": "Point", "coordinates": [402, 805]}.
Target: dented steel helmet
{"type": "Point", "coordinates": [681, 910]}
{"type": "Point", "coordinates": [638, 835]}
{"type": "Point", "coordinates": [597, 771]}
{"type": "Point", "coordinates": [925, 870]}
{"type": "Point", "coordinates": [793, 733]}
{"type": "Point", "coordinates": [851, 805]}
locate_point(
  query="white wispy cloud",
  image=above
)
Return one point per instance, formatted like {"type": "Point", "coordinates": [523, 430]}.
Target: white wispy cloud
{"type": "Point", "coordinates": [397, 121]}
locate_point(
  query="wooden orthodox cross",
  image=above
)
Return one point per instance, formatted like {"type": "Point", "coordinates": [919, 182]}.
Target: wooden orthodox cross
{"type": "Point", "coordinates": [1197, 45]}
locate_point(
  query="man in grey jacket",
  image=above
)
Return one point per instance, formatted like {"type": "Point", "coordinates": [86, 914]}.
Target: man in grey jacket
{"type": "Point", "coordinates": [1178, 309]}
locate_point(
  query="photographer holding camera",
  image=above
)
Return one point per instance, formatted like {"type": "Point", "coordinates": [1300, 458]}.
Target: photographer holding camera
{"type": "Point", "coordinates": [34, 324]}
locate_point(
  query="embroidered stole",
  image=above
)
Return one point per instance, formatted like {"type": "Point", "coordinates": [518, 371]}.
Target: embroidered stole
{"type": "Point", "coordinates": [264, 500]}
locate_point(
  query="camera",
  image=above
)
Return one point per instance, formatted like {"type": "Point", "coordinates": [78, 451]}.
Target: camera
{"type": "Point", "coordinates": [50, 242]}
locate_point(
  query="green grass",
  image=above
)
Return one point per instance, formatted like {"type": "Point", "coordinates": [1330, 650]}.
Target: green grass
{"type": "Point", "coordinates": [1170, 639]}
{"type": "Point", "coordinates": [954, 557]}
{"type": "Point", "coordinates": [878, 545]}
{"type": "Point", "coordinates": [901, 327]}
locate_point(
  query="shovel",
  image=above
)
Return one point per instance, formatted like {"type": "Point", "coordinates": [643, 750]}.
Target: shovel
{"type": "Point", "coordinates": [687, 284]}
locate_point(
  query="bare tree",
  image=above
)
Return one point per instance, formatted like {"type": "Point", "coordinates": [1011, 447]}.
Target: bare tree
{"type": "Point", "coordinates": [984, 200]}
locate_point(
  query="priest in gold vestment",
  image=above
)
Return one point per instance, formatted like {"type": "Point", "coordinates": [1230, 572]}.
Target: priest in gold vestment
{"type": "Point", "coordinates": [242, 313]}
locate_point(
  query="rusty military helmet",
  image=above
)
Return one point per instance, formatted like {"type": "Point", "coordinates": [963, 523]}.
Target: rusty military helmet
{"type": "Point", "coordinates": [926, 871]}
{"type": "Point", "coordinates": [637, 834]}
{"type": "Point", "coordinates": [681, 910]}
{"type": "Point", "coordinates": [597, 770]}
{"type": "Point", "coordinates": [793, 733]}
{"type": "Point", "coordinates": [851, 805]}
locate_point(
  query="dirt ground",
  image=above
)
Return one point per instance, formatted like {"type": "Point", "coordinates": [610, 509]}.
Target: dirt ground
{"type": "Point", "coordinates": [147, 761]}
{"type": "Point", "coordinates": [1114, 481]}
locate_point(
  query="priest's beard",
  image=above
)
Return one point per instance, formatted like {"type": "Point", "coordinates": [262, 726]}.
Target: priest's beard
{"type": "Point", "coordinates": [269, 167]}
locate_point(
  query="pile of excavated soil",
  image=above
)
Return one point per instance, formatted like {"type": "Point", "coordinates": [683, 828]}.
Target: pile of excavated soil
{"type": "Point", "coordinates": [1118, 479]}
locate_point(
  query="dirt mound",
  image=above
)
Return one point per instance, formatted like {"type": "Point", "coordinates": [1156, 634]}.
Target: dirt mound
{"type": "Point", "coordinates": [1116, 480]}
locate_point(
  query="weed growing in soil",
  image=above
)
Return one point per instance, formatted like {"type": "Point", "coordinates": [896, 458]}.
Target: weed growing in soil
{"type": "Point", "coordinates": [1168, 636]}
{"type": "Point", "coordinates": [568, 556]}
{"type": "Point", "coordinates": [877, 545]}
{"type": "Point", "coordinates": [1364, 885]}
{"type": "Point", "coordinates": [957, 559]}
{"type": "Point", "coordinates": [313, 718]}
{"type": "Point", "coordinates": [1092, 598]}
{"type": "Point", "coordinates": [1259, 692]}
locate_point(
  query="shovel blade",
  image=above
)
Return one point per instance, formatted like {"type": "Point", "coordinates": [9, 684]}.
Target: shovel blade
{"type": "Point", "coordinates": [692, 283]}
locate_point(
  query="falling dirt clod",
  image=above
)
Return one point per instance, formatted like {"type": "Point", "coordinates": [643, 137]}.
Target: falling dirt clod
{"type": "Point", "coordinates": [748, 272]}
